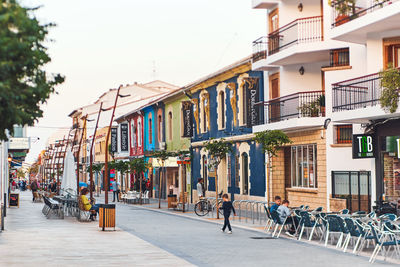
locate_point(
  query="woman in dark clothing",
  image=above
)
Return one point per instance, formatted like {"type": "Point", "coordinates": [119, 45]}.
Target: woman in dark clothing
{"type": "Point", "coordinates": [227, 207]}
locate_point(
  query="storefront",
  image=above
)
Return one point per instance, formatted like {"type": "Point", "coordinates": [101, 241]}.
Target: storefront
{"type": "Point", "coordinates": [387, 136]}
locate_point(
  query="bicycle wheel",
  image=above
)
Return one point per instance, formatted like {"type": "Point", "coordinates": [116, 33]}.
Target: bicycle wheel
{"type": "Point", "coordinates": [201, 208]}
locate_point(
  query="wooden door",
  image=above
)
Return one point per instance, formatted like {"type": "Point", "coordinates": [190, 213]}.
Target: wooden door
{"type": "Point", "coordinates": [274, 93]}
{"type": "Point", "coordinates": [273, 38]}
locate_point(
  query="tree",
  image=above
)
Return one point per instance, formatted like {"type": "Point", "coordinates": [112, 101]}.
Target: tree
{"type": "Point", "coordinates": [123, 168]}
{"type": "Point", "coordinates": [24, 84]}
{"type": "Point", "coordinates": [161, 155]}
{"type": "Point", "coordinates": [271, 141]}
{"type": "Point", "coordinates": [97, 168]}
{"type": "Point", "coordinates": [217, 150]}
{"type": "Point", "coordinates": [390, 83]}
{"type": "Point", "coordinates": [139, 166]}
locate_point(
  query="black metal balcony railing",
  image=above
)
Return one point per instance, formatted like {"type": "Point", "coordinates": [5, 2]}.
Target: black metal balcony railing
{"type": "Point", "coordinates": [345, 10]}
{"type": "Point", "coordinates": [260, 48]}
{"type": "Point", "coordinates": [304, 30]}
{"type": "Point", "coordinates": [298, 105]}
{"type": "Point", "coordinates": [357, 93]}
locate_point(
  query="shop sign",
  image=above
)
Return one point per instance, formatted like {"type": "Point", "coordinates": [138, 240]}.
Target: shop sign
{"type": "Point", "coordinates": [19, 143]}
{"type": "Point", "coordinates": [114, 140]}
{"type": "Point", "coordinates": [124, 137]}
{"type": "Point", "coordinates": [251, 85]}
{"type": "Point", "coordinates": [187, 113]}
{"type": "Point", "coordinates": [363, 146]}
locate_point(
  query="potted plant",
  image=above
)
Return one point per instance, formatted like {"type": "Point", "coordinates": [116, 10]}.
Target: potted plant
{"type": "Point", "coordinates": [390, 83]}
{"type": "Point", "coordinates": [321, 103]}
{"type": "Point", "coordinates": [344, 8]}
{"type": "Point", "coordinates": [310, 109]}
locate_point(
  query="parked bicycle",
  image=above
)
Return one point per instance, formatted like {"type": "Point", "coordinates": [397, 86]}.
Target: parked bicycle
{"type": "Point", "coordinates": [204, 206]}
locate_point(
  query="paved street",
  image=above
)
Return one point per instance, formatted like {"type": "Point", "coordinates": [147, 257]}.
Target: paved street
{"type": "Point", "coordinates": [146, 236]}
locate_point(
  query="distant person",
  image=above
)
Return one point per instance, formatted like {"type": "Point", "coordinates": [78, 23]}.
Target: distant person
{"type": "Point", "coordinates": [86, 204]}
{"type": "Point", "coordinates": [53, 186]}
{"type": "Point", "coordinates": [200, 191]}
{"type": "Point", "coordinates": [34, 189]}
{"type": "Point", "coordinates": [277, 203]}
{"type": "Point", "coordinates": [227, 207]}
{"type": "Point", "coordinates": [115, 188]}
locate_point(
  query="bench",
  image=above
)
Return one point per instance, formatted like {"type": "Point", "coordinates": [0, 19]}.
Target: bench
{"type": "Point", "coordinates": [82, 214]}
{"type": "Point", "coordinates": [52, 207]}
{"type": "Point", "coordinates": [179, 204]}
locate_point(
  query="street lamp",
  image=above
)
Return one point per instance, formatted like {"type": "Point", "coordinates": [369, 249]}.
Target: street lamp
{"type": "Point", "coordinates": [106, 178]}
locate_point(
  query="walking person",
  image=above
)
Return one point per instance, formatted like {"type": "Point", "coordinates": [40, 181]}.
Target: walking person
{"type": "Point", "coordinates": [115, 188]}
{"type": "Point", "coordinates": [227, 207]}
{"type": "Point", "coordinates": [34, 188]}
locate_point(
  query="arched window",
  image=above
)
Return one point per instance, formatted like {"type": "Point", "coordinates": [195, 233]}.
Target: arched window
{"type": "Point", "coordinates": [160, 137]}
{"type": "Point", "coordinates": [133, 134]}
{"type": "Point", "coordinates": [205, 179]}
{"type": "Point", "coordinates": [170, 126]}
{"type": "Point", "coordinates": [204, 115]}
{"type": "Point", "coordinates": [244, 107]}
{"type": "Point", "coordinates": [222, 108]}
{"type": "Point", "coordinates": [245, 174]}
{"type": "Point", "coordinates": [150, 132]}
{"type": "Point", "coordinates": [139, 132]}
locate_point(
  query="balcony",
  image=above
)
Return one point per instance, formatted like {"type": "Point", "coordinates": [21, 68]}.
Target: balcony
{"type": "Point", "coordinates": [260, 52]}
{"type": "Point", "coordinates": [281, 113]}
{"type": "Point", "coordinates": [357, 100]}
{"type": "Point", "coordinates": [264, 4]}
{"type": "Point", "coordinates": [351, 22]}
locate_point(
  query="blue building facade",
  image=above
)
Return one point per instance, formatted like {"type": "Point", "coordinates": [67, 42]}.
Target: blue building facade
{"type": "Point", "coordinates": [222, 108]}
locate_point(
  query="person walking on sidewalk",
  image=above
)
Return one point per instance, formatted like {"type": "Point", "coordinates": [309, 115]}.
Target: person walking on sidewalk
{"type": "Point", "coordinates": [34, 189]}
{"type": "Point", "coordinates": [227, 207]}
{"type": "Point", "coordinates": [115, 188]}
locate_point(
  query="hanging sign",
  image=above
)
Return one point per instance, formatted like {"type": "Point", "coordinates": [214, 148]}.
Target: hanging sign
{"type": "Point", "coordinates": [363, 146]}
{"type": "Point", "coordinates": [114, 140]}
{"type": "Point", "coordinates": [251, 89]}
{"type": "Point", "coordinates": [187, 113]}
{"type": "Point", "coordinates": [124, 137]}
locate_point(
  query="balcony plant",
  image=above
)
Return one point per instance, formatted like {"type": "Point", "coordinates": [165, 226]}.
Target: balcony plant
{"type": "Point", "coordinates": [344, 8]}
{"type": "Point", "coordinates": [310, 109]}
{"type": "Point", "coordinates": [390, 83]}
{"type": "Point", "coordinates": [321, 102]}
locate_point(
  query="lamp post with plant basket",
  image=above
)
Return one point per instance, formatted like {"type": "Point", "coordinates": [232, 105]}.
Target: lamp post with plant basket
{"type": "Point", "coordinates": [217, 150]}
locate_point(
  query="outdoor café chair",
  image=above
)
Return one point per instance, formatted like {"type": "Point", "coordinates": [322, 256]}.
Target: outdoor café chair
{"type": "Point", "coordinates": [278, 223]}
{"type": "Point", "coordinates": [333, 228]}
{"type": "Point", "coordinates": [307, 223]}
{"type": "Point", "coordinates": [344, 230]}
{"type": "Point", "coordinates": [270, 221]}
{"type": "Point", "coordinates": [384, 239]}
{"type": "Point", "coordinates": [353, 233]}
{"type": "Point", "coordinates": [366, 234]}
{"type": "Point", "coordinates": [388, 216]}
{"type": "Point", "coordinates": [344, 211]}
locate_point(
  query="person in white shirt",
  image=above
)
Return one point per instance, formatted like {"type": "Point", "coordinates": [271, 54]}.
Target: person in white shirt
{"type": "Point", "coordinates": [200, 192]}
{"type": "Point", "coordinates": [284, 212]}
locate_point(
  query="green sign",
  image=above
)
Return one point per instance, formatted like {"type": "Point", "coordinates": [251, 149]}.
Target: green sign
{"type": "Point", "coordinates": [18, 154]}
{"type": "Point", "coordinates": [363, 146]}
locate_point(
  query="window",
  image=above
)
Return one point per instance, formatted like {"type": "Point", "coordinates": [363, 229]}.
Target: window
{"type": "Point", "coordinates": [339, 57]}
{"type": "Point", "coordinates": [237, 178]}
{"type": "Point", "coordinates": [139, 132]}
{"type": "Point", "coordinates": [273, 19]}
{"type": "Point", "coordinates": [170, 126]}
{"type": "Point", "coordinates": [245, 174]}
{"type": "Point", "coordinates": [205, 179]}
{"type": "Point", "coordinates": [133, 134]}
{"type": "Point", "coordinates": [344, 134]}
{"type": "Point", "coordinates": [244, 107]}
{"type": "Point", "coordinates": [391, 51]}
{"type": "Point", "coordinates": [303, 166]}
{"type": "Point", "coordinates": [204, 114]}
{"type": "Point", "coordinates": [160, 137]}
{"type": "Point", "coordinates": [18, 131]}
{"type": "Point", "coordinates": [150, 132]}
{"type": "Point", "coordinates": [222, 109]}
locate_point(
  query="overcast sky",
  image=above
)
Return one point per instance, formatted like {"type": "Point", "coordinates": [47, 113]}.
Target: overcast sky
{"type": "Point", "coordinates": [101, 44]}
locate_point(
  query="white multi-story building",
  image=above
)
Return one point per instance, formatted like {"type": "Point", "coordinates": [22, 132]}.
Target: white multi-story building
{"type": "Point", "coordinates": [309, 48]}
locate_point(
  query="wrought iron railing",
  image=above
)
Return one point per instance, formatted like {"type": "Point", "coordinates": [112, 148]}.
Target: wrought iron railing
{"type": "Point", "coordinates": [260, 48]}
{"type": "Point", "coordinates": [345, 10]}
{"type": "Point", "coordinates": [356, 93]}
{"type": "Point", "coordinates": [298, 105]}
{"type": "Point", "coordinates": [304, 30]}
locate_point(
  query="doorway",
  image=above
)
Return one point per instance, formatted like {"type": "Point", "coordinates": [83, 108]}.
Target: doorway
{"type": "Point", "coordinates": [274, 93]}
{"type": "Point", "coordinates": [355, 187]}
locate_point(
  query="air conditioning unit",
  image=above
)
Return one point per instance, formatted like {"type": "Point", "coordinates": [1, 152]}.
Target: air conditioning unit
{"type": "Point", "coordinates": [162, 145]}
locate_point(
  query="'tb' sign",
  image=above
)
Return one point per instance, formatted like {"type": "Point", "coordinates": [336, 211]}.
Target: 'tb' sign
{"type": "Point", "coordinates": [363, 146]}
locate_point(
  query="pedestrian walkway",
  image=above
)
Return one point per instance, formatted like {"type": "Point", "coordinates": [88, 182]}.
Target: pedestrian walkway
{"type": "Point", "coordinates": [30, 239]}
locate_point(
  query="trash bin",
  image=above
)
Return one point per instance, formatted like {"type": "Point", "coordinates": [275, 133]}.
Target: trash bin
{"type": "Point", "coordinates": [171, 199]}
{"type": "Point", "coordinates": [107, 216]}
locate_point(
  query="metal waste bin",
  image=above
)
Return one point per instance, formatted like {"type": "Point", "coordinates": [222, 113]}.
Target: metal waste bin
{"type": "Point", "coordinates": [107, 216]}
